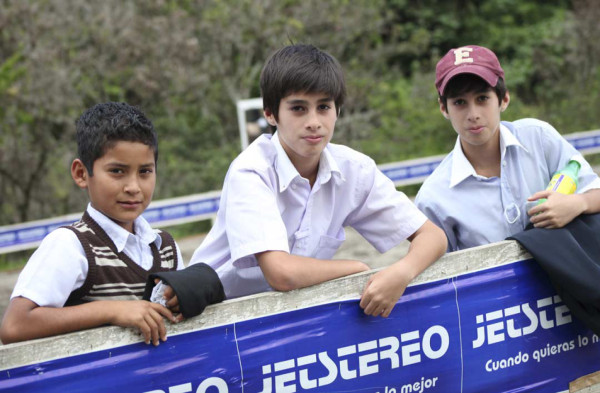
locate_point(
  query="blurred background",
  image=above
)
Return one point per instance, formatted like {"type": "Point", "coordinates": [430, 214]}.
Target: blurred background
{"type": "Point", "coordinates": [186, 63]}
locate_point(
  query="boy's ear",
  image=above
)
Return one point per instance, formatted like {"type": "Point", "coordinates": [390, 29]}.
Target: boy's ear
{"type": "Point", "coordinates": [79, 173]}
{"type": "Point", "coordinates": [505, 102]}
{"type": "Point", "coordinates": [270, 117]}
{"type": "Point", "coordinates": [443, 109]}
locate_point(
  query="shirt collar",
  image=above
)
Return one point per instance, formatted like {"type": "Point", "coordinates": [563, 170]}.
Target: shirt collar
{"type": "Point", "coordinates": [287, 172]}
{"type": "Point", "coordinates": [508, 139]}
{"type": "Point", "coordinates": [328, 168]}
{"type": "Point", "coordinates": [462, 168]}
{"type": "Point", "coordinates": [143, 231]}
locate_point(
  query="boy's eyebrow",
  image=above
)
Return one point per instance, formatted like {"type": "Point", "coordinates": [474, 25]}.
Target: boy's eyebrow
{"type": "Point", "coordinates": [478, 91]}
{"type": "Point", "coordinates": [301, 101]}
{"type": "Point", "coordinates": [121, 165]}
{"type": "Point", "coordinates": [485, 90]}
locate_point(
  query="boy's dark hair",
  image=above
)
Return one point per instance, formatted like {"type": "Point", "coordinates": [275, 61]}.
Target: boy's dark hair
{"type": "Point", "coordinates": [301, 68]}
{"type": "Point", "coordinates": [466, 83]}
{"type": "Point", "coordinates": [100, 127]}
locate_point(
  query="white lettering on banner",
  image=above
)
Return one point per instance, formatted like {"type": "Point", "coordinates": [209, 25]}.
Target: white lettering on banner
{"type": "Point", "coordinates": [495, 365]}
{"type": "Point", "coordinates": [504, 320]}
{"type": "Point", "coordinates": [175, 211]}
{"type": "Point", "coordinates": [541, 353]}
{"type": "Point", "coordinates": [212, 382]}
{"type": "Point", "coordinates": [7, 237]}
{"type": "Point", "coordinates": [201, 207]}
{"type": "Point", "coordinates": [462, 55]}
{"type": "Point", "coordinates": [369, 355]}
{"type": "Point", "coordinates": [419, 386]}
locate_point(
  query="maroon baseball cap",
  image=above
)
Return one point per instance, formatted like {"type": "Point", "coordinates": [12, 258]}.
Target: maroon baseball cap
{"type": "Point", "coordinates": [471, 59]}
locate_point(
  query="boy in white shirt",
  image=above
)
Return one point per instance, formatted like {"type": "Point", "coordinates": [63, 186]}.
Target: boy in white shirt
{"type": "Point", "coordinates": [287, 198]}
{"type": "Point", "coordinates": [94, 272]}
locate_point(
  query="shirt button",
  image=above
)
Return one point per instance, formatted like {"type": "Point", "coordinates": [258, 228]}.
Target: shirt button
{"type": "Point", "coordinates": [293, 186]}
{"type": "Point", "coordinates": [503, 163]}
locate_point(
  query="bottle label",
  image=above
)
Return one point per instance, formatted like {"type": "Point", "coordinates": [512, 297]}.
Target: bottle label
{"type": "Point", "coordinates": [562, 184]}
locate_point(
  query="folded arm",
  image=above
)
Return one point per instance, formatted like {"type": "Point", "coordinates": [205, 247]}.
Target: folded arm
{"type": "Point", "coordinates": [284, 271]}
{"type": "Point", "coordinates": [25, 320]}
{"type": "Point", "coordinates": [385, 287]}
{"type": "Point", "coordinates": [559, 209]}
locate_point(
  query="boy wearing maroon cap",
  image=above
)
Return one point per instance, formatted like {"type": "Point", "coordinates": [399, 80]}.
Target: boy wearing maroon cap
{"type": "Point", "coordinates": [479, 193]}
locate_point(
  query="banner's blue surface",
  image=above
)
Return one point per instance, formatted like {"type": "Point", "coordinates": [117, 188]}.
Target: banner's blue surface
{"type": "Point", "coordinates": [497, 330]}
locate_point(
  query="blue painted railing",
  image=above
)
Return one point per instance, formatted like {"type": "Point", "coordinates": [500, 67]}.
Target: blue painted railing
{"type": "Point", "coordinates": [204, 206]}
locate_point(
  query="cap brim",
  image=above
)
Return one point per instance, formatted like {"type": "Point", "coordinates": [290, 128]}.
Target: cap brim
{"type": "Point", "coordinates": [484, 73]}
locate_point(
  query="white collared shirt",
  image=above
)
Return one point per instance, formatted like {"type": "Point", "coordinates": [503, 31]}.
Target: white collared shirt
{"type": "Point", "coordinates": [59, 265]}
{"type": "Point", "coordinates": [474, 210]}
{"type": "Point", "coordinates": [267, 206]}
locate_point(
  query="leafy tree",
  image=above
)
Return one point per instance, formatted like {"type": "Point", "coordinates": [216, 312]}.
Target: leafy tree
{"type": "Point", "coordinates": [186, 63]}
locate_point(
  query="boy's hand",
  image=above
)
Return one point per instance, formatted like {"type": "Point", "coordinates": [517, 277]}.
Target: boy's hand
{"type": "Point", "coordinates": [143, 315]}
{"type": "Point", "coordinates": [172, 301]}
{"type": "Point", "coordinates": [383, 290]}
{"type": "Point", "coordinates": [557, 211]}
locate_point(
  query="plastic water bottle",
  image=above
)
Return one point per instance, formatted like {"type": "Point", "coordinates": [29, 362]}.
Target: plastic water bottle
{"type": "Point", "coordinates": [565, 180]}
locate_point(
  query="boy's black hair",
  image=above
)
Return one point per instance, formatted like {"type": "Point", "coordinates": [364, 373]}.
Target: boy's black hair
{"type": "Point", "coordinates": [100, 127]}
{"type": "Point", "coordinates": [301, 68]}
{"type": "Point", "coordinates": [466, 83]}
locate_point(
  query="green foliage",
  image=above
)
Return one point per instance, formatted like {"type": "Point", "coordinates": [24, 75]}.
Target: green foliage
{"type": "Point", "coordinates": [188, 229]}
{"type": "Point", "coordinates": [186, 63]}
{"type": "Point", "coordinates": [10, 72]}
{"type": "Point", "coordinates": [14, 260]}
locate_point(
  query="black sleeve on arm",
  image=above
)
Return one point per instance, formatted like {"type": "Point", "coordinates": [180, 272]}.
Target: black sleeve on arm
{"type": "Point", "coordinates": [196, 287]}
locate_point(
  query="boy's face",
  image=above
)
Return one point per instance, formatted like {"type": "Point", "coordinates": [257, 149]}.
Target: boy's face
{"type": "Point", "coordinates": [475, 116]}
{"type": "Point", "coordinates": [305, 126]}
{"type": "Point", "coordinates": [123, 181]}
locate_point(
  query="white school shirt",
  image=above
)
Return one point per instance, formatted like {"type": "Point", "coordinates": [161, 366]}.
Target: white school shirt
{"type": "Point", "coordinates": [474, 210]}
{"type": "Point", "coordinates": [59, 265]}
{"type": "Point", "coordinates": [267, 206]}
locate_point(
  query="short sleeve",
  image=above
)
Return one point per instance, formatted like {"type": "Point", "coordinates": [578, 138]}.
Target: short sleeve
{"type": "Point", "coordinates": [427, 206]}
{"type": "Point", "coordinates": [559, 151]}
{"type": "Point", "coordinates": [253, 220]}
{"type": "Point", "coordinates": [180, 262]}
{"type": "Point", "coordinates": [384, 216]}
{"type": "Point", "coordinates": [55, 269]}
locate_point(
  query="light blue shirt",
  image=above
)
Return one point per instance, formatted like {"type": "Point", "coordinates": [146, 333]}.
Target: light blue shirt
{"type": "Point", "coordinates": [474, 210]}
{"type": "Point", "coordinates": [266, 205]}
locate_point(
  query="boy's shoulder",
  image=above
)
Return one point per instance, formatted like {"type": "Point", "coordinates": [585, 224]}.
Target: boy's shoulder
{"type": "Point", "coordinates": [529, 127]}
{"type": "Point", "coordinates": [438, 179]}
{"type": "Point", "coordinates": [346, 156]}
{"type": "Point", "coordinates": [533, 134]}
{"type": "Point", "coordinates": [61, 238]}
{"type": "Point", "coordinates": [259, 155]}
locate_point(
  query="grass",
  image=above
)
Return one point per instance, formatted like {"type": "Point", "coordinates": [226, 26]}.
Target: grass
{"type": "Point", "coordinates": [15, 260]}
{"type": "Point", "coordinates": [188, 229]}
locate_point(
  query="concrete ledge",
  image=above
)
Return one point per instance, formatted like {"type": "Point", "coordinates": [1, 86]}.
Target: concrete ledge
{"type": "Point", "coordinates": [587, 384]}
{"type": "Point", "coordinates": [453, 264]}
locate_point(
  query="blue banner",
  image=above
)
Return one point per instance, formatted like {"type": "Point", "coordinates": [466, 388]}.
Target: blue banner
{"type": "Point", "coordinates": [498, 330]}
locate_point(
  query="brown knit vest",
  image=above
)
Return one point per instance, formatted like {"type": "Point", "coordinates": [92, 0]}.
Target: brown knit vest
{"type": "Point", "coordinates": [112, 275]}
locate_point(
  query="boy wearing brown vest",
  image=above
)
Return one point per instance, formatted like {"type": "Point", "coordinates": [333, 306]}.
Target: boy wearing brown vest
{"type": "Point", "coordinates": [93, 272]}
